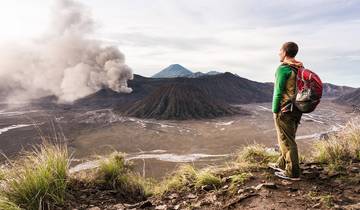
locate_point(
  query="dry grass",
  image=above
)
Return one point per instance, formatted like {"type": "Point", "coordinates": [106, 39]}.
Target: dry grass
{"type": "Point", "coordinates": [332, 152]}
{"type": "Point", "coordinates": [237, 180]}
{"type": "Point", "coordinates": [257, 154]}
{"type": "Point", "coordinates": [2, 174]}
{"type": "Point", "coordinates": [206, 177]}
{"type": "Point", "coordinates": [179, 179]}
{"type": "Point", "coordinates": [5, 204]}
{"type": "Point", "coordinates": [352, 134]}
{"type": "Point", "coordinates": [327, 200]}
{"type": "Point", "coordinates": [186, 177]}
{"type": "Point", "coordinates": [112, 167]}
{"type": "Point", "coordinates": [340, 148]}
{"type": "Point", "coordinates": [39, 179]}
{"type": "Point", "coordinates": [117, 173]}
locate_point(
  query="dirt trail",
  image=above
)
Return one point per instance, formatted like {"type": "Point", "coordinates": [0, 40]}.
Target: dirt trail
{"type": "Point", "coordinates": [318, 189]}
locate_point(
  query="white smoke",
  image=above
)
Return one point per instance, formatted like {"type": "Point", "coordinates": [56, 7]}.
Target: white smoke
{"type": "Point", "coordinates": [64, 62]}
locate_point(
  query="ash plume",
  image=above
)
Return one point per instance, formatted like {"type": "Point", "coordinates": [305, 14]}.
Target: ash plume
{"type": "Point", "coordinates": [64, 62]}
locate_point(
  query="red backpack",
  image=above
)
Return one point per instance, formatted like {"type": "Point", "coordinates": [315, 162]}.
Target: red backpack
{"type": "Point", "coordinates": [308, 90]}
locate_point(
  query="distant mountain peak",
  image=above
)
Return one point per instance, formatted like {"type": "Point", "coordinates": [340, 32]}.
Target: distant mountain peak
{"type": "Point", "coordinates": [176, 65]}
{"type": "Point", "coordinates": [177, 70]}
{"type": "Point", "coordinates": [174, 70]}
{"type": "Point", "coordinates": [213, 72]}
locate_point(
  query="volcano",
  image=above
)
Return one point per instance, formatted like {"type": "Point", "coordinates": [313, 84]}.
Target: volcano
{"type": "Point", "coordinates": [180, 101]}
{"type": "Point", "coordinates": [225, 87]}
{"type": "Point", "coordinates": [174, 70]}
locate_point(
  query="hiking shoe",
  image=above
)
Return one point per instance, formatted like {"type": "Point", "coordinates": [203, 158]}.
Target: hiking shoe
{"type": "Point", "coordinates": [284, 176]}
{"type": "Point", "coordinates": [275, 167]}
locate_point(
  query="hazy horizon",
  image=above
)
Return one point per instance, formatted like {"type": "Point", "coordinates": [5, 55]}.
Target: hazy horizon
{"type": "Point", "coordinates": [219, 70]}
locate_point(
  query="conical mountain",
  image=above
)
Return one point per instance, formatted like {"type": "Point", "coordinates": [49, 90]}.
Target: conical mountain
{"type": "Point", "coordinates": [174, 70]}
{"type": "Point", "coordinates": [180, 101]}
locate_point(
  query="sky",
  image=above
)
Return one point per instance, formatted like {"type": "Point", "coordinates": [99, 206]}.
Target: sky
{"type": "Point", "coordinates": [241, 37]}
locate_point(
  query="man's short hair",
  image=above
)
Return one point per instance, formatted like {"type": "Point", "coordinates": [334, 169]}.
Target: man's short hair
{"type": "Point", "coordinates": [290, 49]}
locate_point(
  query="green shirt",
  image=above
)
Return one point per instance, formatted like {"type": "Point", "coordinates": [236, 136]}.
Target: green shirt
{"type": "Point", "coordinates": [282, 74]}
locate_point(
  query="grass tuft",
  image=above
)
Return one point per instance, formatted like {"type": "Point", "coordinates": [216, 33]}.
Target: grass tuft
{"type": "Point", "coordinates": [5, 204]}
{"type": "Point", "coordinates": [332, 152]}
{"type": "Point", "coordinates": [179, 179]}
{"type": "Point", "coordinates": [207, 178]}
{"type": "Point", "coordinates": [351, 133]}
{"type": "Point", "coordinates": [117, 174]}
{"type": "Point", "coordinates": [2, 174]}
{"type": "Point", "coordinates": [238, 179]}
{"type": "Point", "coordinates": [39, 179]}
{"type": "Point", "coordinates": [340, 148]}
{"type": "Point", "coordinates": [257, 154]}
{"type": "Point", "coordinates": [112, 168]}
{"type": "Point", "coordinates": [186, 177]}
{"type": "Point", "coordinates": [327, 200]}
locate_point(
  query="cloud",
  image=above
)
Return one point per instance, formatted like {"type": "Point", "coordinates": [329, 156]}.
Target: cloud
{"type": "Point", "coordinates": [238, 36]}
{"type": "Point", "coordinates": [177, 42]}
{"type": "Point", "coordinates": [244, 37]}
{"type": "Point", "coordinates": [262, 13]}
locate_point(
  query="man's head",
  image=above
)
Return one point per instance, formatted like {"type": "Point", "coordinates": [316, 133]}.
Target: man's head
{"type": "Point", "coordinates": [288, 50]}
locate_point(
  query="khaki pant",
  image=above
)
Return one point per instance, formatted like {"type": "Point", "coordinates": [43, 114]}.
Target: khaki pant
{"type": "Point", "coordinates": [286, 125]}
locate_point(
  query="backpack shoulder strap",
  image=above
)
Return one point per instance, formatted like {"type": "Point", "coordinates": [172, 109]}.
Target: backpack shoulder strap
{"type": "Point", "coordinates": [292, 67]}
{"type": "Point", "coordinates": [292, 99]}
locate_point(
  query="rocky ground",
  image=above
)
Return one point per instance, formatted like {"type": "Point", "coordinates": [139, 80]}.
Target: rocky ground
{"type": "Point", "coordinates": [318, 189]}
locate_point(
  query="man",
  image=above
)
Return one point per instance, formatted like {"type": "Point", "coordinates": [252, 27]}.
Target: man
{"type": "Point", "coordinates": [286, 115]}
